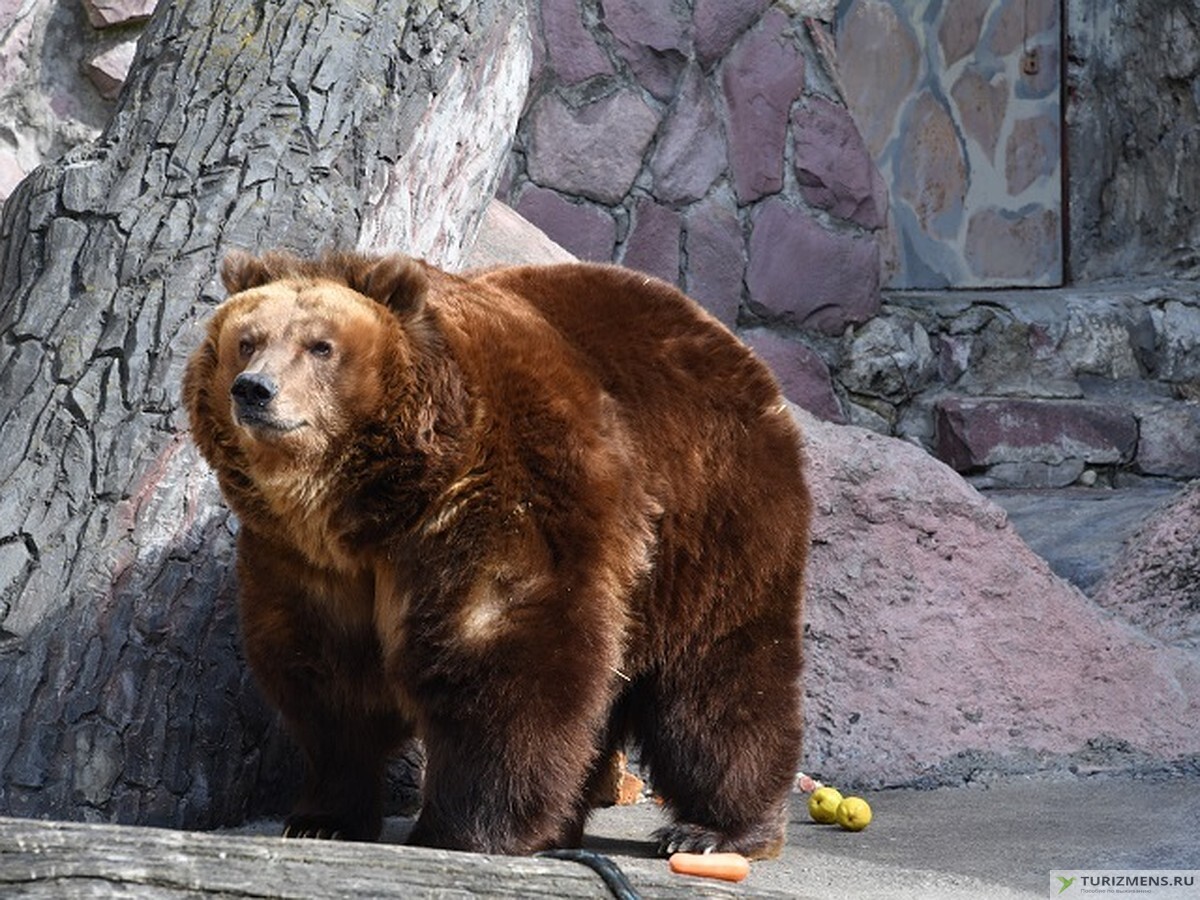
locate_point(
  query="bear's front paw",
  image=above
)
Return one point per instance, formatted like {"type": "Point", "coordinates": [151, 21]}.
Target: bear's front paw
{"type": "Point", "coordinates": [760, 842]}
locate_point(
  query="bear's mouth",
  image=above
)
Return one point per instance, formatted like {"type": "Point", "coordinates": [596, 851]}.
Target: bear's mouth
{"type": "Point", "coordinates": [265, 424]}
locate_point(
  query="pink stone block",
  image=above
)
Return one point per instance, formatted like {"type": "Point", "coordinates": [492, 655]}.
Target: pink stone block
{"type": "Point", "coordinates": [586, 230]}
{"type": "Point", "coordinates": [974, 433]}
{"type": "Point", "coordinates": [717, 24]}
{"type": "Point", "coordinates": [761, 78]}
{"type": "Point", "coordinates": [108, 70]}
{"type": "Point", "coordinates": [651, 36]}
{"type": "Point", "coordinates": [104, 13]}
{"type": "Point", "coordinates": [833, 168]}
{"type": "Point", "coordinates": [690, 153]}
{"type": "Point", "coordinates": [803, 274]}
{"type": "Point", "coordinates": [594, 150]}
{"type": "Point", "coordinates": [802, 374]}
{"type": "Point", "coordinates": [654, 24]}
{"type": "Point", "coordinates": [653, 243]}
{"type": "Point", "coordinates": [716, 260]}
{"type": "Point", "coordinates": [572, 51]}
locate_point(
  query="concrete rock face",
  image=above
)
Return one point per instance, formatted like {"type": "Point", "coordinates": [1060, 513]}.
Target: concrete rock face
{"type": "Point", "coordinates": [1155, 583]}
{"type": "Point", "coordinates": [1135, 137]}
{"type": "Point", "coordinates": [939, 643]}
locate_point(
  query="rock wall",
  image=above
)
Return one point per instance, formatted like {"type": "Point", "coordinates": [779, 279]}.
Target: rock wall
{"type": "Point", "coordinates": [1133, 125]}
{"type": "Point", "coordinates": [704, 142]}
{"type": "Point", "coordinates": [59, 65]}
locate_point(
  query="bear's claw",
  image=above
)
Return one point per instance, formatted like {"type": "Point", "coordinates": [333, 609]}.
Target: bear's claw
{"type": "Point", "coordinates": [319, 828]}
{"type": "Point", "coordinates": [759, 842]}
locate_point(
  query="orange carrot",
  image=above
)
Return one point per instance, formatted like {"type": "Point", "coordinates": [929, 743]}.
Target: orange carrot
{"type": "Point", "coordinates": [727, 866]}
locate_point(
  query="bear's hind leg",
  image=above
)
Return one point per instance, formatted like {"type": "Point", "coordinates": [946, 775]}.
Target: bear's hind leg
{"type": "Point", "coordinates": [721, 734]}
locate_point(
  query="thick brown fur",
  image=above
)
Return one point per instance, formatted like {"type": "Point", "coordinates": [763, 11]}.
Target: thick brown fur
{"type": "Point", "coordinates": [526, 515]}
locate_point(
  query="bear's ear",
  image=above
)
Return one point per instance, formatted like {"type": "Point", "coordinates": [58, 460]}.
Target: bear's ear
{"type": "Point", "coordinates": [240, 271]}
{"type": "Point", "coordinates": [398, 282]}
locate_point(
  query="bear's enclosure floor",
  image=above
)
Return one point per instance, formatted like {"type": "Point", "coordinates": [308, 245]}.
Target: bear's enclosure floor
{"type": "Point", "coordinates": [998, 841]}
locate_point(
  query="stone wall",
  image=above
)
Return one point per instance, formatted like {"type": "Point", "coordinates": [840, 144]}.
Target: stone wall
{"type": "Point", "coordinates": [1088, 385]}
{"type": "Point", "coordinates": [705, 142]}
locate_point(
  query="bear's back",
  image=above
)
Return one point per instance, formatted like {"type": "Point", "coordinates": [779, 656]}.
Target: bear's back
{"type": "Point", "coordinates": [651, 347]}
{"type": "Point", "coordinates": [707, 415]}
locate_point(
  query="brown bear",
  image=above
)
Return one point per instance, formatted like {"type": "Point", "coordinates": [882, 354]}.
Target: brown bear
{"type": "Point", "coordinates": [526, 515]}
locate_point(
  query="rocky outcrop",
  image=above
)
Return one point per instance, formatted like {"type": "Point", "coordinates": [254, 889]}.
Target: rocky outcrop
{"type": "Point", "coordinates": [940, 645]}
{"type": "Point", "coordinates": [1155, 583]}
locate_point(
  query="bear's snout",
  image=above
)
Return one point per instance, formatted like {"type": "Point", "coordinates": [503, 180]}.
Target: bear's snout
{"type": "Point", "coordinates": [253, 390]}
{"type": "Point", "coordinates": [258, 405]}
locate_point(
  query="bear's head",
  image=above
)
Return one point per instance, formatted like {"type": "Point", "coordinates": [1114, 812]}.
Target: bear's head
{"type": "Point", "coordinates": [299, 360]}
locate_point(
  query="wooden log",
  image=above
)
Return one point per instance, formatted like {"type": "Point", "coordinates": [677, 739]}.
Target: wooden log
{"type": "Point", "coordinates": [67, 860]}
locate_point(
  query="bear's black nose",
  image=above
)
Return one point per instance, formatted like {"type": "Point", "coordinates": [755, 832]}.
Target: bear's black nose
{"type": "Point", "coordinates": [253, 390]}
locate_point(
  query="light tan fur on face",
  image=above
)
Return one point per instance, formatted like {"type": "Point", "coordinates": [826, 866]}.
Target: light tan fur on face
{"type": "Point", "coordinates": [318, 341]}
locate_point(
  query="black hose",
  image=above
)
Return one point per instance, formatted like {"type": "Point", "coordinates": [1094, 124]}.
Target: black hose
{"type": "Point", "coordinates": [614, 879]}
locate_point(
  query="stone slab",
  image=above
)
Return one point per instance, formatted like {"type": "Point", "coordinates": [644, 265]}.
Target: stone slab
{"type": "Point", "coordinates": [973, 433]}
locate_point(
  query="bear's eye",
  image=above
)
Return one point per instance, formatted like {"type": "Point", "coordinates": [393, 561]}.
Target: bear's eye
{"type": "Point", "coordinates": [246, 347]}
{"type": "Point", "coordinates": [321, 349]}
